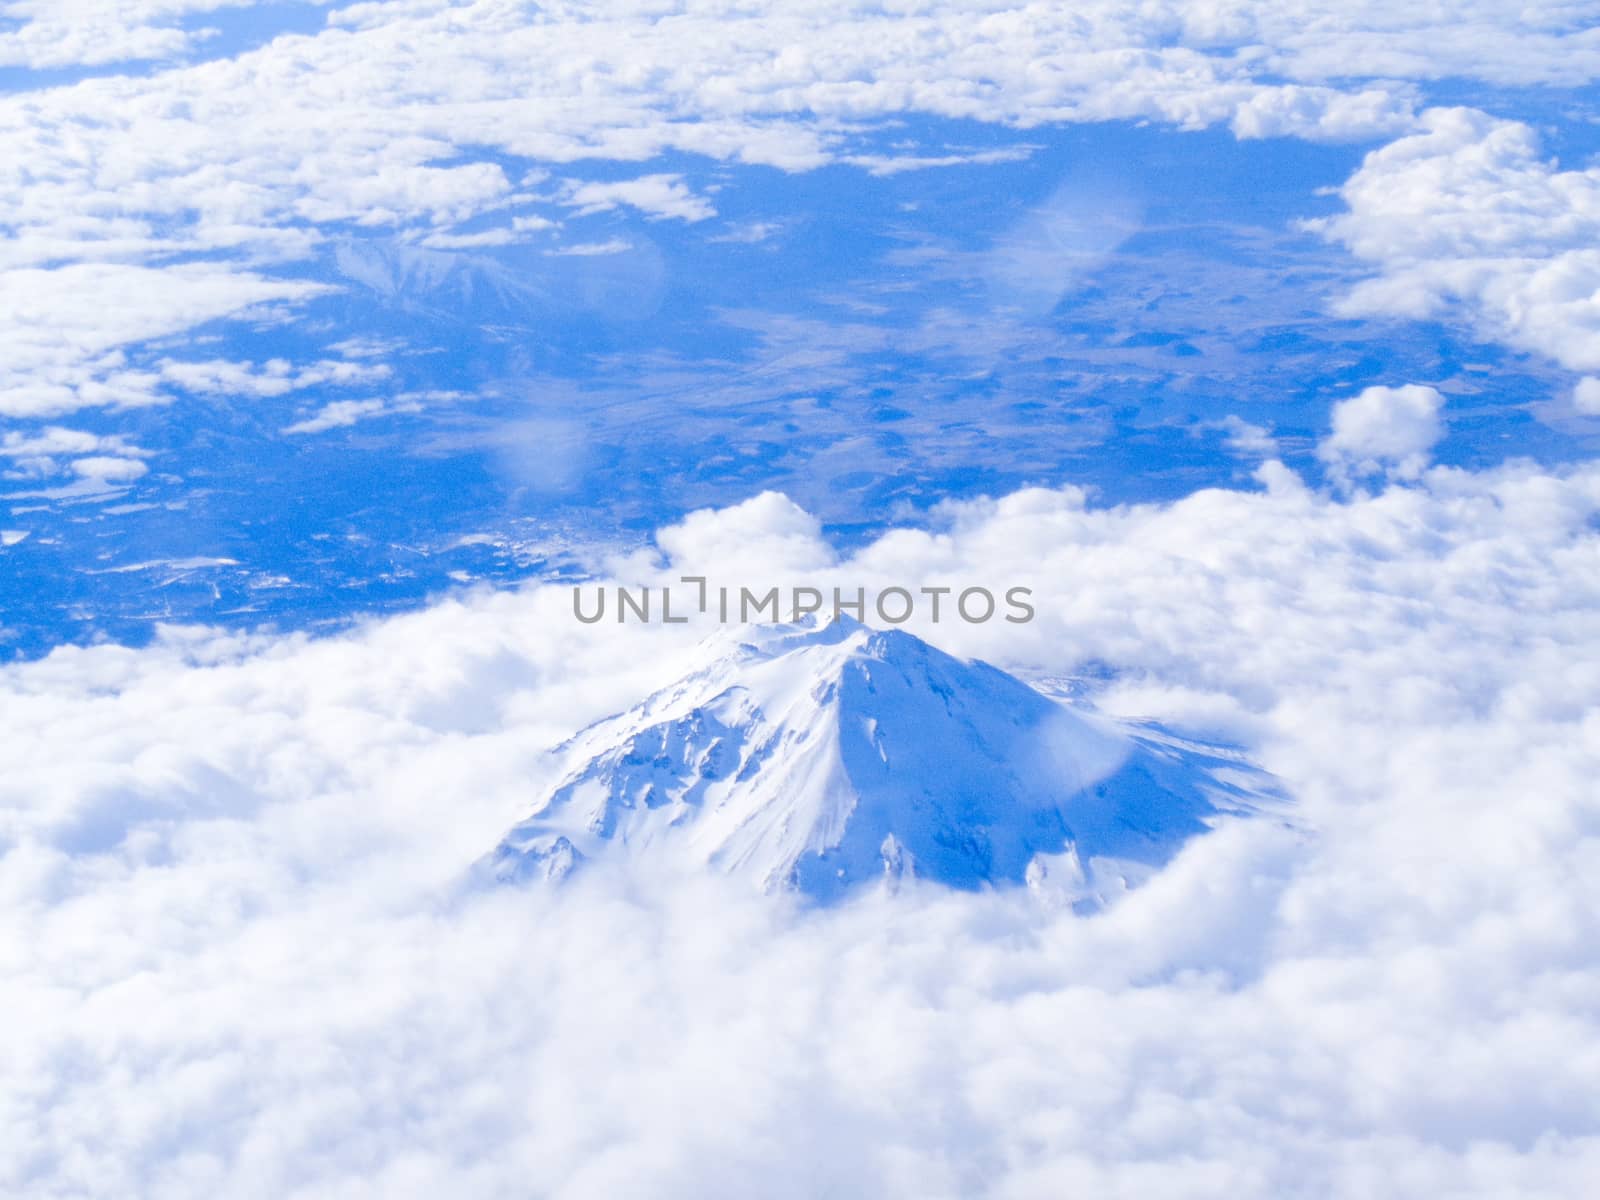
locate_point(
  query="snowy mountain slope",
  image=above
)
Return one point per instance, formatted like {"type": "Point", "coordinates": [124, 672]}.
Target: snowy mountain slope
{"type": "Point", "coordinates": [824, 757]}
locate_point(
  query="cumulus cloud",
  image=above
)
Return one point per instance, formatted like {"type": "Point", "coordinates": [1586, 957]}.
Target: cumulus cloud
{"type": "Point", "coordinates": [57, 33]}
{"type": "Point", "coordinates": [65, 327]}
{"type": "Point", "coordinates": [97, 461]}
{"type": "Point", "coordinates": [234, 155]}
{"type": "Point", "coordinates": [1554, 43]}
{"type": "Point", "coordinates": [102, 470]}
{"type": "Point", "coordinates": [54, 440]}
{"type": "Point", "coordinates": [767, 530]}
{"type": "Point", "coordinates": [1468, 215]}
{"type": "Point", "coordinates": [657, 196]}
{"type": "Point", "coordinates": [1383, 429]}
{"type": "Point", "coordinates": [1586, 396]}
{"type": "Point", "coordinates": [1246, 439]}
{"type": "Point", "coordinates": [241, 963]}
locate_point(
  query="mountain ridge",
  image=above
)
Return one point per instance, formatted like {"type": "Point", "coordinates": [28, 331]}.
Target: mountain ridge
{"type": "Point", "coordinates": [824, 757]}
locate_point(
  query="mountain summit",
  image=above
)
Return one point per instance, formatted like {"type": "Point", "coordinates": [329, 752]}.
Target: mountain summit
{"type": "Point", "coordinates": [824, 757]}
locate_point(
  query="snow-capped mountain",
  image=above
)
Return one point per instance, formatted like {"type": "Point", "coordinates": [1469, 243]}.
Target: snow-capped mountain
{"type": "Point", "coordinates": [823, 757]}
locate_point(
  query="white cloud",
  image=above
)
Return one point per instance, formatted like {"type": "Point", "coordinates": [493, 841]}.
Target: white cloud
{"type": "Point", "coordinates": [95, 459]}
{"type": "Point", "coordinates": [1468, 214]}
{"type": "Point", "coordinates": [240, 155]}
{"type": "Point", "coordinates": [1383, 429]}
{"type": "Point", "coordinates": [64, 328]}
{"type": "Point", "coordinates": [591, 249]}
{"type": "Point", "coordinates": [54, 440]}
{"type": "Point", "coordinates": [107, 471]}
{"type": "Point", "coordinates": [1554, 43]}
{"type": "Point", "coordinates": [657, 196]}
{"type": "Point", "coordinates": [749, 233]}
{"type": "Point", "coordinates": [470, 241]}
{"type": "Point", "coordinates": [235, 964]}
{"type": "Point", "coordinates": [1248, 440]}
{"type": "Point", "coordinates": [275, 377]}
{"type": "Point", "coordinates": [896, 164]}
{"type": "Point", "coordinates": [366, 347]}
{"type": "Point", "coordinates": [340, 414]}
{"type": "Point", "coordinates": [58, 33]}
{"type": "Point", "coordinates": [1586, 396]}
{"type": "Point", "coordinates": [769, 531]}
{"type": "Point", "coordinates": [260, 157]}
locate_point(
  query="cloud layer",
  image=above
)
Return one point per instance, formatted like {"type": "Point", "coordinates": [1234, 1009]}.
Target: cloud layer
{"type": "Point", "coordinates": [408, 119]}
{"type": "Point", "coordinates": [239, 962]}
{"type": "Point", "coordinates": [1469, 216]}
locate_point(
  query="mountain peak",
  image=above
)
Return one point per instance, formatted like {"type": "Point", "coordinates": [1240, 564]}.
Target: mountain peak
{"type": "Point", "coordinates": [825, 756]}
{"type": "Point", "coordinates": [768, 641]}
